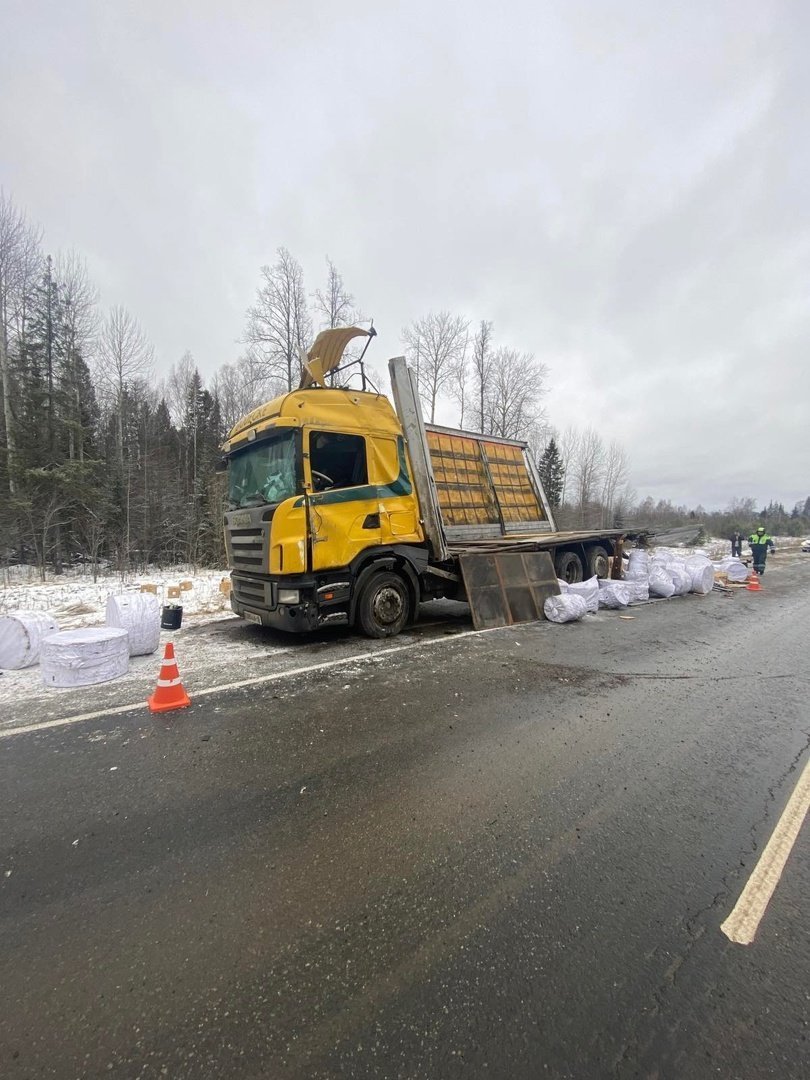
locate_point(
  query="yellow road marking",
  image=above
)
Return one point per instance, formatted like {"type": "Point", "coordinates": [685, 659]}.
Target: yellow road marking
{"type": "Point", "coordinates": [743, 922]}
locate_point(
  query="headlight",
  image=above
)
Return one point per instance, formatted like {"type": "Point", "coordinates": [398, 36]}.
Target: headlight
{"type": "Point", "coordinates": [288, 596]}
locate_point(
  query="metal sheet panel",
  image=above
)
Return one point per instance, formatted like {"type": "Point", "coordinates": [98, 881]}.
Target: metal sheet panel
{"type": "Point", "coordinates": [507, 587]}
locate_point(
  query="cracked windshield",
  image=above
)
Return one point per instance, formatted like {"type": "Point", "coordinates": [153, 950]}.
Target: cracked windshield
{"type": "Point", "coordinates": [263, 474]}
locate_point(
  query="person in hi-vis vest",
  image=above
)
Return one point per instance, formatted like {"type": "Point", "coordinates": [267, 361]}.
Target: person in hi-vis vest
{"type": "Point", "coordinates": [759, 542]}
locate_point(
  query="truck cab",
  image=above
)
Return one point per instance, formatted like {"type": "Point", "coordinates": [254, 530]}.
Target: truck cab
{"type": "Point", "coordinates": [321, 499]}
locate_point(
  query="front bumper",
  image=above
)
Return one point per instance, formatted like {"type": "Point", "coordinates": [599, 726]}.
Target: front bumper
{"type": "Point", "coordinates": [257, 599]}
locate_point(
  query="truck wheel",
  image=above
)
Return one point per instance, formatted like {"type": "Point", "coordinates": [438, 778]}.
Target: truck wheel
{"type": "Point", "coordinates": [598, 562]}
{"type": "Point", "coordinates": [384, 605]}
{"type": "Point", "coordinates": [569, 567]}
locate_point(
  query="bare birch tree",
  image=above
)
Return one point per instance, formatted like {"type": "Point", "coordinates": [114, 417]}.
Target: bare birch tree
{"type": "Point", "coordinates": [335, 305]}
{"type": "Point", "coordinates": [243, 385]}
{"type": "Point", "coordinates": [124, 354]}
{"type": "Point", "coordinates": [80, 326]}
{"type": "Point", "coordinates": [436, 343]}
{"type": "Point", "coordinates": [279, 326]}
{"type": "Point", "coordinates": [568, 443]}
{"type": "Point", "coordinates": [459, 382]}
{"type": "Point", "coordinates": [482, 367]}
{"type": "Point", "coordinates": [588, 469]}
{"type": "Point", "coordinates": [513, 400]}
{"type": "Point", "coordinates": [20, 258]}
{"type": "Point", "coordinates": [614, 477]}
{"type": "Point", "coordinates": [178, 384]}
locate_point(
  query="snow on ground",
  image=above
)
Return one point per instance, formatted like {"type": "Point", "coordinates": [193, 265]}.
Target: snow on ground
{"type": "Point", "coordinates": [75, 600]}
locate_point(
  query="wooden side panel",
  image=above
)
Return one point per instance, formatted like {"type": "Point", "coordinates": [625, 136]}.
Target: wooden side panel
{"type": "Point", "coordinates": [513, 489]}
{"type": "Point", "coordinates": [481, 481]}
{"type": "Point", "coordinates": [462, 485]}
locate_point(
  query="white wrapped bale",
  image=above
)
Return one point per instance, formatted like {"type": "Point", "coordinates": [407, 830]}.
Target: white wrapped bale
{"type": "Point", "coordinates": [614, 594]}
{"type": "Point", "coordinates": [139, 615]}
{"type": "Point", "coordinates": [564, 586]}
{"type": "Point", "coordinates": [83, 657]}
{"type": "Point", "coordinates": [734, 570]}
{"type": "Point", "coordinates": [21, 636]}
{"type": "Point", "coordinates": [702, 572]}
{"type": "Point", "coordinates": [681, 579]}
{"type": "Point", "coordinates": [588, 590]}
{"type": "Point", "coordinates": [568, 607]}
{"type": "Point", "coordinates": [661, 583]}
{"type": "Point", "coordinates": [639, 589]}
{"type": "Point", "coordinates": [638, 565]}
{"type": "Point", "coordinates": [703, 580]}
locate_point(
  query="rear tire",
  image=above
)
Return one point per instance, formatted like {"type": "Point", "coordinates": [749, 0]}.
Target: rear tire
{"type": "Point", "coordinates": [569, 567]}
{"type": "Point", "coordinates": [384, 606]}
{"type": "Point", "coordinates": [598, 562]}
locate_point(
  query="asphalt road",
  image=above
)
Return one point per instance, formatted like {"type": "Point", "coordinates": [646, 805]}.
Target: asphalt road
{"type": "Point", "coordinates": [501, 855]}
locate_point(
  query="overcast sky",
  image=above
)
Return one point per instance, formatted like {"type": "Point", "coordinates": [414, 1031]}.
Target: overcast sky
{"type": "Point", "coordinates": [622, 187]}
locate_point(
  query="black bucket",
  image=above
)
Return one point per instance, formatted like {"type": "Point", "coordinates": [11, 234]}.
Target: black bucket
{"type": "Point", "coordinates": [171, 617]}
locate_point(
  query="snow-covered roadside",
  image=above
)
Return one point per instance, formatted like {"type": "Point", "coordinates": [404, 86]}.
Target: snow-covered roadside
{"type": "Point", "coordinates": [75, 600]}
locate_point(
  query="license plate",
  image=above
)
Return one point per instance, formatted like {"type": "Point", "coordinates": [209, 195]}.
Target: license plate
{"type": "Point", "coordinates": [251, 616]}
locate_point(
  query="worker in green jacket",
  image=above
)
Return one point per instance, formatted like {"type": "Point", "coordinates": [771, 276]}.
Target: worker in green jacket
{"type": "Point", "coordinates": [759, 542]}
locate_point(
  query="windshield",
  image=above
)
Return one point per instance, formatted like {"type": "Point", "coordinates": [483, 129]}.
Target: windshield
{"type": "Point", "coordinates": [264, 473]}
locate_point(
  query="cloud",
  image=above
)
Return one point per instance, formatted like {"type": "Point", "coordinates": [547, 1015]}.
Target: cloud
{"type": "Point", "coordinates": [621, 188]}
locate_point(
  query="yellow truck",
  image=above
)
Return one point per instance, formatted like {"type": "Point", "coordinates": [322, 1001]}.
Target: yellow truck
{"type": "Point", "coordinates": [346, 510]}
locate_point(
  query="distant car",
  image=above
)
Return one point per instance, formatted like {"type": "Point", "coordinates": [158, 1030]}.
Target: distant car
{"type": "Point", "coordinates": [806, 544]}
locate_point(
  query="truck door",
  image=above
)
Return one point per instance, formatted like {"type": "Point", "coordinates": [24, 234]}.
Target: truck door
{"type": "Point", "coordinates": [344, 507]}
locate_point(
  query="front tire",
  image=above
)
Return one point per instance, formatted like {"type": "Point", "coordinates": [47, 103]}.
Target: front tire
{"type": "Point", "coordinates": [384, 606]}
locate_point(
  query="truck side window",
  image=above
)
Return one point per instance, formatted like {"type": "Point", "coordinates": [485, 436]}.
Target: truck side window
{"type": "Point", "coordinates": [337, 461]}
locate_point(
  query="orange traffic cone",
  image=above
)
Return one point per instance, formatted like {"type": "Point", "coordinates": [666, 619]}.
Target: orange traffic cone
{"type": "Point", "coordinates": [753, 582]}
{"type": "Point", "coordinates": [169, 693]}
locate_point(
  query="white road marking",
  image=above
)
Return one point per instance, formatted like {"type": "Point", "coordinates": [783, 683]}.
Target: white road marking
{"type": "Point", "coordinates": [743, 922]}
{"type": "Point", "coordinates": [374, 654]}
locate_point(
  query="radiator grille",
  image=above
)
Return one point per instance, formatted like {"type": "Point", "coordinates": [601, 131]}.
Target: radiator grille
{"type": "Point", "coordinates": [249, 591]}
{"type": "Point", "coordinates": [247, 549]}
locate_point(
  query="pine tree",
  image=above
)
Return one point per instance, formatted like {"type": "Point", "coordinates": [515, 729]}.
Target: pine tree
{"type": "Point", "coordinates": [552, 473]}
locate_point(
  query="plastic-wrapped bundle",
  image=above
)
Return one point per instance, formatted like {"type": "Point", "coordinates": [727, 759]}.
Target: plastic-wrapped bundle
{"type": "Point", "coordinates": [638, 565]}
{"type": "Point", "coordinates": [703, 579]}
{"type": "Point", "coordinates": [568, 607]}
{"type": "Point", "coordinates": [638, 589]}
{"type": "Point", "coordinates": [139, 615]}
{"type": "Point", "coordinates": [83, 657]}
{"type": "Point", "coordinates": [697, 561]}
{"type": "Point", "coordinates": [681, 579]}
{"type": "Point", "coordinates": [702, 573]}
{"type": "Point", "coordinates": [614, 594]}
{"type": "Point", "coordinates": [733, 569]}
{"type": "Point", "coordinates": [589, 591]}
{"type": "Point", "coordinates": [21, 636]}
{"type": "Point", "coordinates": [564, 586]}
{"type": "Point", "coordinates": [661, 583]}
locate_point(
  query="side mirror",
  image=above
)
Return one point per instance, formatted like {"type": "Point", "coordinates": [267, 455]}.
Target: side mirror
{"type": "Point", "coordinates": [221, 465]}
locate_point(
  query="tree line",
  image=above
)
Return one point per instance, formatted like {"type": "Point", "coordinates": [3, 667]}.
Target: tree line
{"type": "Point", "coordinates": [106, 463]}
